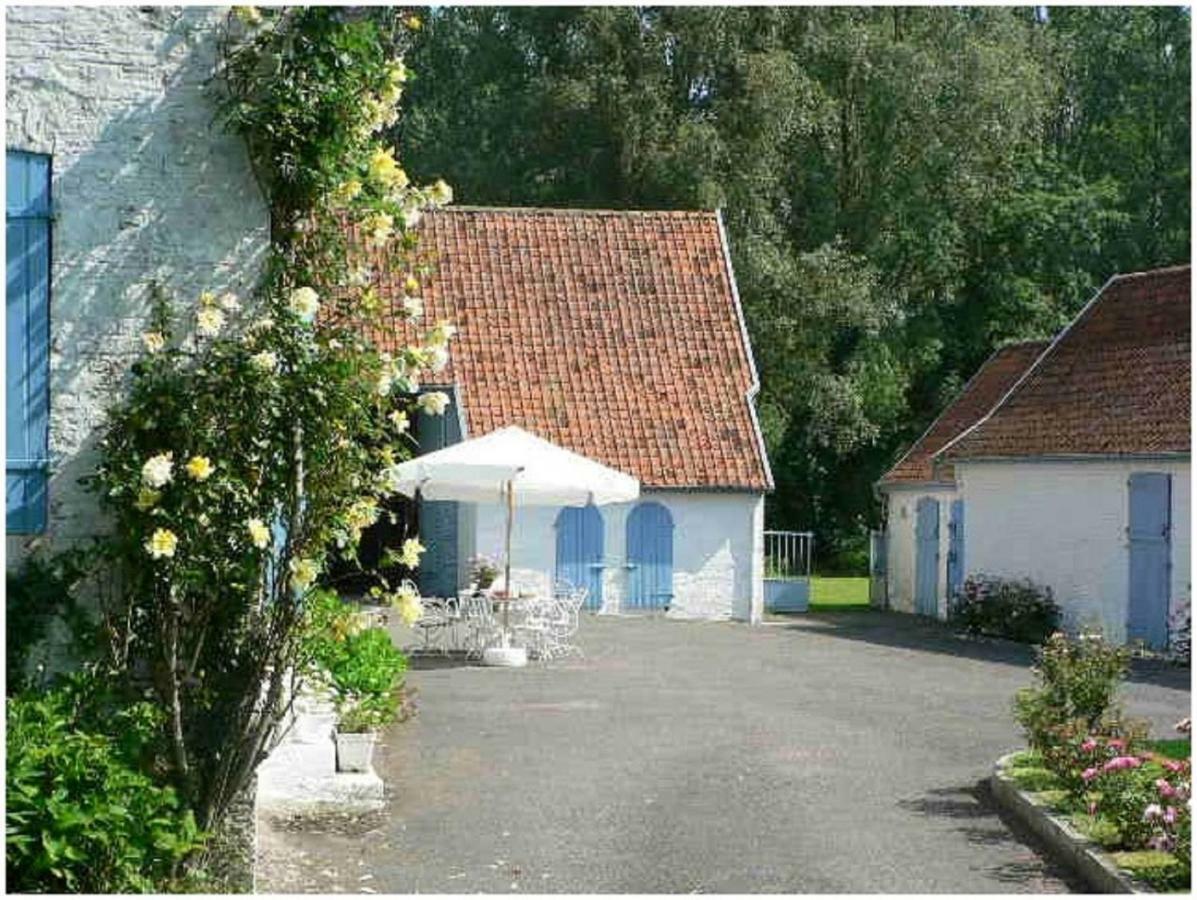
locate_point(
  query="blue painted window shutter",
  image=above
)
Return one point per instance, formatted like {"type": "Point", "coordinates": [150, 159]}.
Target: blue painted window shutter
{"type": "Point", "coordinates": [28, 350]}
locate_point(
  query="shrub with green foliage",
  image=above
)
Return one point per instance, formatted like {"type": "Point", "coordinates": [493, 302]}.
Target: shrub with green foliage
{"type": "Point", "coordinates": [1019, 610]}
{"type": "Point", "coordinates": [1078, 679]}
{"type": "Point", "coordinates": [82, 814]}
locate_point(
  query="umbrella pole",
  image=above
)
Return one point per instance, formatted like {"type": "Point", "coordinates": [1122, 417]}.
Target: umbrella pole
{"type": "Point", "coordinates": [507, 572]}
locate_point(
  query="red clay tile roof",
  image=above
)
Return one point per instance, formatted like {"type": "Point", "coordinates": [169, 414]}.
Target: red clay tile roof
{"type": "Point", "coordinates": [1114, 383]}
{"type": "Point", "coordinates": [990, 383]}
{"type": "Point", "coordinates": [615, 334]}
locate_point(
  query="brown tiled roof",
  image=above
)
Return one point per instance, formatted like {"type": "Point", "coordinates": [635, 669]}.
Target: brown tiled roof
{"type": "Point", "coordinates": [1115, 382]}
{"type": "Point", "coordinates": [615, 334]}
{"type": "Point", "coordinates": [990, 383]}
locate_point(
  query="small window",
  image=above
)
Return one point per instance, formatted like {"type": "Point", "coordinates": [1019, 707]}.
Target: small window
{"type": "Point", "coordinates": [27, 251]}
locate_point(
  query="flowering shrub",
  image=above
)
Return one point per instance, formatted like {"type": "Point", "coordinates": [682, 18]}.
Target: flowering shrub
{"type": "Point", "coordinates": [1078, 680]}
{"type": "Point", "coordinates": [998, 607]}
{"type": "Point", "coordinates": [483, 571]}
{"type": "Point", "coordinates": [259, 434]}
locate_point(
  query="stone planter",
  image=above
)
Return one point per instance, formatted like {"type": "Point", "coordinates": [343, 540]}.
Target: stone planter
{"type": "Point", "coordinates": [355, 751]}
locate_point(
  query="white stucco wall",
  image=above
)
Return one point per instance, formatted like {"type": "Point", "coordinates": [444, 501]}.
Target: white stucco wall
{"type": "Point", "coordinates": [1063, 524]}
{"type": "Point", "coordinates": [146, 186]}
{"type": "Point", "coordinates": [901, 546]}
{"type": "Point", "coordinates": [717, 550]}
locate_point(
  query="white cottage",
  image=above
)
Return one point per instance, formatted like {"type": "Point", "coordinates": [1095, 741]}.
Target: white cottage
{"type": "Point", "coordinates": [1066, 462]}
{"type": "Point", "coordinates": [1079, 477]}
{"type": "Point", "coordinates": [618, 335]}
{"type": "Point", "coordinates": [923, 561]}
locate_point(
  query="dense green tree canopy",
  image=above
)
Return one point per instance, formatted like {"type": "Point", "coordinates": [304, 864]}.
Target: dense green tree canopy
{"type": "Point", "coordinates": [905, 189]}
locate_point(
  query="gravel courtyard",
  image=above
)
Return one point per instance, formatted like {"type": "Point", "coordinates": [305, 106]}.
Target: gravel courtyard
{"type": "Point", "coordinates": [829, 753]}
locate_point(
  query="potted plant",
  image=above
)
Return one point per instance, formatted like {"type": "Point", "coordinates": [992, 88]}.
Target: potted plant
{"type": "Point", "coordinates": [367, 681]}
{"type": "Point", "coordinates": [359, 719]}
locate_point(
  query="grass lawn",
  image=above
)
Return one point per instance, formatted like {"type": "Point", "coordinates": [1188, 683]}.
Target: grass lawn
{"type": "Point", "coordinates": [1174, 748]}
{"type": "Point", "coordinates": [839, 593]}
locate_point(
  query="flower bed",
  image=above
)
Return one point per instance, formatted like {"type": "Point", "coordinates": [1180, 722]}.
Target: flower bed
{"type": "Point", "coordinates": [1097, 769]}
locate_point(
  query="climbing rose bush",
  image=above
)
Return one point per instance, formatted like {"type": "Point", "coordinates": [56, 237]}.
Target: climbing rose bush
{"type": "Point", "coordinates": [258, 437]}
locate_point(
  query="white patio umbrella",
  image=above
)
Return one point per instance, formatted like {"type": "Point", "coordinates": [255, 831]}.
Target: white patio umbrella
{"type": "Point", "coordinates": [512, 466]}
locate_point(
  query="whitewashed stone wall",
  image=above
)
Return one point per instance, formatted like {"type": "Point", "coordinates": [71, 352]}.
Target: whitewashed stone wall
{"type": "Point", "coordinates": [1063, 524]}
{"type": "Point", "coordinates": [902, 543]}
{"type": "Point", "coordinates": [146, 186]}
{"type": "Point", "coordinates": [718, 558]}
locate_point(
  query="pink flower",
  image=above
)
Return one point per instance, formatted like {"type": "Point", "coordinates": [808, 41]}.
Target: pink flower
{"type": "Point", "coordinates": [1153, 811]}
{"type": "Point", "coordinates": [1170, 815]}
{"type": "Point", "coordinates": [1089, 745]}
{"type": "Point", "coordinates": [1173, 766]}
{"type": "Point", "coordinates": [1092, 807]}
{"type": "Point", "coordinates": [1122, 762]}
{"type": "Point", "coordinates": [1116, 744]}
{"type": "Point", "coordinates": [1088, 775]}
{"type": "Point", "coordinates": [1160, 842]}
{"type": "Point", "coordinates": [1165, 789]}
{"type": "Point", "coordinates": [1185, 725]}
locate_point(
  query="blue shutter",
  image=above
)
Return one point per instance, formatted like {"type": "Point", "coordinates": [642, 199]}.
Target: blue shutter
{"type": "Point", "coordinates": [28, 327]}
{"type": "Point", "coordinates": [1149, 528]}
{"type": "Point", "coordinates": [650, 557]}
{"type": "Point", "coordinates": [956, 548]}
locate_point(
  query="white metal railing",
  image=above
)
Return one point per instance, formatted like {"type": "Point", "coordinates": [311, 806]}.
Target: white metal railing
{"type": "Point", "coordinates": [788, 554]}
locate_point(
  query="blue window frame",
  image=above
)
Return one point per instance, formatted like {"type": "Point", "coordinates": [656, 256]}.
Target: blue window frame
{"type": "Point", "coordinates": [27, 364]}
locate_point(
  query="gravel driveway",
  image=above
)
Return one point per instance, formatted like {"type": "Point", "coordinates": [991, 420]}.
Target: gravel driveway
{"type": "Point", "coordinates": [835, 752]}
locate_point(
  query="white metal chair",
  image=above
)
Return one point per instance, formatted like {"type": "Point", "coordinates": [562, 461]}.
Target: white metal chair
{"type": "Point", "coordinates": [478, 619]}
{"type": "Point", "coordinates": [433, 625]}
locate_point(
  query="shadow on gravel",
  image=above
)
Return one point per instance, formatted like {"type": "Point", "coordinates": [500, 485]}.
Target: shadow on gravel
{"type": "Point", "coordinates": [907, 632]}
{"type": "Point", "coordinates": [422, 661]}
{"type": "Point", "coordinates": [983, 824]}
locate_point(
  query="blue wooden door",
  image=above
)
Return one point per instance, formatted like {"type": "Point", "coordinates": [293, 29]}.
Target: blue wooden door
{"type": "Point", "coordinates": [1150, 532]}
{"type": "Point", "coordinates": [650, 557]}
{"type": "Point", "coordinates": [27, 391]}
{"type": "Point", "coordinates": [926, 563]}
{"type": "Point", "coordinates": [956, 548]}
{"type": "Point", "coordinates": [580, 551]}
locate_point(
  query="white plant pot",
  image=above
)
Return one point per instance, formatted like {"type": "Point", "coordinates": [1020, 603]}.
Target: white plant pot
{"type": "Point", "coordinates": [354, 751]}
{"type": "Point", "coordinates": [511, 657]}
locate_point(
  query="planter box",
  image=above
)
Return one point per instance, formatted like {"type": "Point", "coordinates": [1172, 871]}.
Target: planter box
{"type": "Point", "coordinates": [787, 594]}
{"type": "Point", "coordinates": [354, 751]}
{"type": "Point", "coordinates": [1067, 845]}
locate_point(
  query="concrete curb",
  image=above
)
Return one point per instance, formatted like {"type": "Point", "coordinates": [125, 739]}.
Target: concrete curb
{"type": "Point", "coordinates": [1067, 845]}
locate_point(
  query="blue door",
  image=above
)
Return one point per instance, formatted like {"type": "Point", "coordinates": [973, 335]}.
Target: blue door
{"type": "Point", "coordinates": [27, 366]}
{"type": "Point", "coordinates": [926, 562]}
{"type": "Point", "coordinates": [580, 551]}
{"type": "Point", "coordinates": [1150, 532]}
{"type": "Point", "coordinates": [650, 557]}
{"type": "Point", "coordinates": [956, 548]}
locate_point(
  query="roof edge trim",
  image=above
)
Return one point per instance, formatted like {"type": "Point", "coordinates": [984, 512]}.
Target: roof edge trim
{"type": "Point", "coordinates": [755, 387]}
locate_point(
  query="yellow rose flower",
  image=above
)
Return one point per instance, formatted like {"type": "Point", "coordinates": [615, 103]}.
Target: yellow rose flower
{"type": "Point", "coordinates": [434, 403]}
{"type": "Point", "coordinates": [208, 321]}
{"type": "Point", "coordinates": [259, 534]}
{"type": "Point", "coordinates": [347, 191]}
{"type": "Point", "coordinates": [440, 193]}
{"type": "Point", "coordinates": [378, 228]}
{"type": "Point", "coordinates": [162, 543]}
{"type": "Point", "coordinates": [303, 574]}
{"type": "Point", "coordinates": [441, 334]}
{"type": "Point", "coordinates": [411, 285]}
{"type": "Point", "coordinates": [154, 341]}
{"type": "Point", "coordinates": [410, 554]}
{"type": "Point", "coordinates": [399, 420]}
{"type": "Point", "coordinates": [200, 468]}
{"type": "Point", "coordinates": [413, 22]}
{"type": "Point", "coordinates": [385, 170]}
{"type": "Point", "coordinates": [407, 604]}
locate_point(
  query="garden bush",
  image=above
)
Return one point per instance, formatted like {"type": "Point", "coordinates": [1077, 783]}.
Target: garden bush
{"type": "Point", "coordinates": [1078, 680]}
{"type": "Point", "coordinates": [1018, 610]}
{"type": "Point", "coordinates": [38, 591]}
{"type": "Point", "coordinates": [82, 813]}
